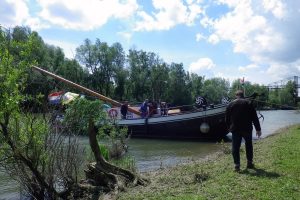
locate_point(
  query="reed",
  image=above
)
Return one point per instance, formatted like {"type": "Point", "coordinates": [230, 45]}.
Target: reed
{"type": "Point", "coordinates": [126, 162]}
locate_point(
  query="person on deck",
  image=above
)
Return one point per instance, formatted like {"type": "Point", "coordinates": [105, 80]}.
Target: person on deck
{"type": "Point", "coordinates": [124, 109]}
{"type": "Point", "coordinates": [144, 109]}
{"type": "Point", "coordinates": [164, 109]}
{"type": "Point", "coordinates": [152, 109]}
{"type": "Point", "coordinates": [155, 108]}
{"type": "Point", "coordinates": [240, 114]}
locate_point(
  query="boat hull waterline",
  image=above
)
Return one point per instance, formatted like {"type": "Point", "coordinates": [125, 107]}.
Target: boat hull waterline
{"type": "Point", "coordinates": [180, 126]}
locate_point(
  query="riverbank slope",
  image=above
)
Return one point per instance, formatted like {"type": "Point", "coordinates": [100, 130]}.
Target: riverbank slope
{"type": "Point", "coordinates": [276, 176]}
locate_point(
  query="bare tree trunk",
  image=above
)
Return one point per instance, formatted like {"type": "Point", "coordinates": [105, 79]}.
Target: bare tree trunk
{"type": "Point", "coordinates": [105, 174]}
{"type": "Point", "coordinates": [94, 143]}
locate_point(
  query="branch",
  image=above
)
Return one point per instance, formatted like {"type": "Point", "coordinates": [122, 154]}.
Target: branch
{"type": "Point", "coordinates": [19, 156]}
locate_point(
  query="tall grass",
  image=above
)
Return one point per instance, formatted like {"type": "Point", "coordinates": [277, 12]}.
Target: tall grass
{"type": "Point", "coordinates": [126, 162]}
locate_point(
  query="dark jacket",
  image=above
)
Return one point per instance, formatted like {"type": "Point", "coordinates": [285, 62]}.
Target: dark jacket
{"type": "Point", "coordinates": [124, 109]}
{"type": "Point", "coordinates": [240, 114]}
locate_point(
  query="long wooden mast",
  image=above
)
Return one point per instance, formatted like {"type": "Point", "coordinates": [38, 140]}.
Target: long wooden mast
{"type": "Point", "coordinates": [83, 89]}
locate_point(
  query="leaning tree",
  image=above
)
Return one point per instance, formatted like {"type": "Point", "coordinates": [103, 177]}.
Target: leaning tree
{"type": "Point", "coordinates": [99, 174]}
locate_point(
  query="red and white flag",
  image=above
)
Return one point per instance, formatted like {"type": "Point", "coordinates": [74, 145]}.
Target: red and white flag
{"type": "Point", "coordinates": [55, 97]}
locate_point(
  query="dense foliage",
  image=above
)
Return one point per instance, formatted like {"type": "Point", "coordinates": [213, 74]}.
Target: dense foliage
{"type": "Point", "coordinates": [132, 76]}
{"type": "Point", "coordinates": [77, 117]}
{"type": "Point", "coordinates": [44, 162]}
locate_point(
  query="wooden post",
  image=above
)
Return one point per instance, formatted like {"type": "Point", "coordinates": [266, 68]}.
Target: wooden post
{"type": "Point", "coordinates": [83, 89]}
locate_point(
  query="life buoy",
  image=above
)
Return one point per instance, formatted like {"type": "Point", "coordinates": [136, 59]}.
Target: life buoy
{"type": "Point", "coordinates": [204, 127]}
{"type": "Point", "coordinates": [113, 113]}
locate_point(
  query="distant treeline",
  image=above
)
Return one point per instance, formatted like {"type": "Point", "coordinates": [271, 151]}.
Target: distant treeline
{"type": "Point", "coordinates": [133, 76]}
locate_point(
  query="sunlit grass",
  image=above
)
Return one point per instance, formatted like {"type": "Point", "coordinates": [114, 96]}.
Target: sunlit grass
{"type": "Point", "coordinates": [126, 162]}
{"type": "Point", "coordinates": [276, 176]}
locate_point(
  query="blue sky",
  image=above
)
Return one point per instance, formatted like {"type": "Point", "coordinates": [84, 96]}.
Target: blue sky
{"type": "Point", "coordinates": [255, 39]}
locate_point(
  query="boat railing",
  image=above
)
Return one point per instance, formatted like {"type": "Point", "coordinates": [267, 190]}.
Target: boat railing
{"type": "Point", "coordinates": [195, 108]}
{"type": "Point", "coordinates": [185, 109]}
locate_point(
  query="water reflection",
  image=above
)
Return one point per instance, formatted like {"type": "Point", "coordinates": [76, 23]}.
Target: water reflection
{"type": "Point", "coordinates": [153, 154]}
{"type": "Point", "coordinates": [277, 119]}
{"type": "Point", "coordinates": [9, 189]}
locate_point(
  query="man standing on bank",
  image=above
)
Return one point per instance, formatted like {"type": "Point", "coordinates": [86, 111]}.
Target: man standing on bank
{"type": "Point", "coordinates": [240, 114]}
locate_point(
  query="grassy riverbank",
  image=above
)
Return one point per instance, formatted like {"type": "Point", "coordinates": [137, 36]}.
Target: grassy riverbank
{"type": "Point", "coordinates": [277, 174]}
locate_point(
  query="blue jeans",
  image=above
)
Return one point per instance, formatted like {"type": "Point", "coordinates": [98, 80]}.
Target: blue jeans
{"type": "Point", "coordinates": [236, 145]}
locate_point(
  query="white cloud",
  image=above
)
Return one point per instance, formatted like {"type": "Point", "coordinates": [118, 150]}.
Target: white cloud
{"type": "Point", "coordinates": [276, 7]}
{"type": "Point", "coordinates": [281, 71]}
{"type": "Point", "coordinates": [169, 14]}
{"type": "Point", "coordinates": [251, 73]}
{"type": "Point", "coordinates": [202, 67]}
{"type": "Point", "coordinates": [194, 11]}
{"type": "Point", "coordinates": [213, 38]}
{"type": "Point", "coordinates": [36, 24]}
{"type": "Point", "coordinates": [199, 37]}
{"type": "Point", "coordinates": [248, 68]}
{"type": "Point", "coordinates": [261, 74]}
{"type": "Point", "coordinates": [267, 32]}
{"type": "Point", "coordinates": [231, 3]}
{"type": "Point", "coordinates": [13, 13]}
{"type": "Point", "coordinates": [126, 35]}
{"type": "Point", "coordinates": [68, 48]}
{"type": "Point", "coordinates": [92, 14]}
{"type": "Point", "coordinates": [85, 15]}
{"type": "Point", "coordinates": [206, 22]}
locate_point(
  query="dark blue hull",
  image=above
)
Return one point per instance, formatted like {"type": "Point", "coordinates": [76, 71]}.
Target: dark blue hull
{"type": "Point", "coordinates": [180, 126]}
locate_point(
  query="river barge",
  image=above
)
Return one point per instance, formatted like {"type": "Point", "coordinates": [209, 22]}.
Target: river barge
{"type": "Point", "coordinates": [206, 123]}
{"type": "Point", "coordinates": [199, 123]}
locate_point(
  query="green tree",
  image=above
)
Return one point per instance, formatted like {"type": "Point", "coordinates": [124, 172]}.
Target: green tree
{"type": "Point", "coordinates": [196, 85]}
{"type": "Point", "coordinates": [51, 59]}
{"type": "Point", "coordinates": [25, 143]}
{"type": "Point", "coordinates": [86, 54]}
{"type": "Point", "coordinates": [273, 98]}
{"type": "Point", "coordinates": [178, 93]}
{"type": "Point", "coordinates": [71, 70]}
{"type": "Point", "coordinates": [287, 95]}
{"type": "Point", "coordinates": [103, 173]}
{"type": "Point", "coordinates": [138, 62]}
{"type": "Point", "coordinates": [105, 69]}
{"type": "Point", "coordinates": [159, 79]}
{"type": "Point", "coordinates": [251, 89]}
{"type": "Point", "coordinates": [215, 89]}
{"type": "Point", "coordinates": [103, 62]}
{"type": "Point", "coordinates": [119, 75]}
{"type": "Point", "coordinates": [122, 81]}
{"type": "Point", "coordinates": [48, 57]}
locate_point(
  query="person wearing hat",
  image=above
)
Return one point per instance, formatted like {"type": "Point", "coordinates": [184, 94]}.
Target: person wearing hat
{"type": "Point", "coordinates": [240, 115]}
